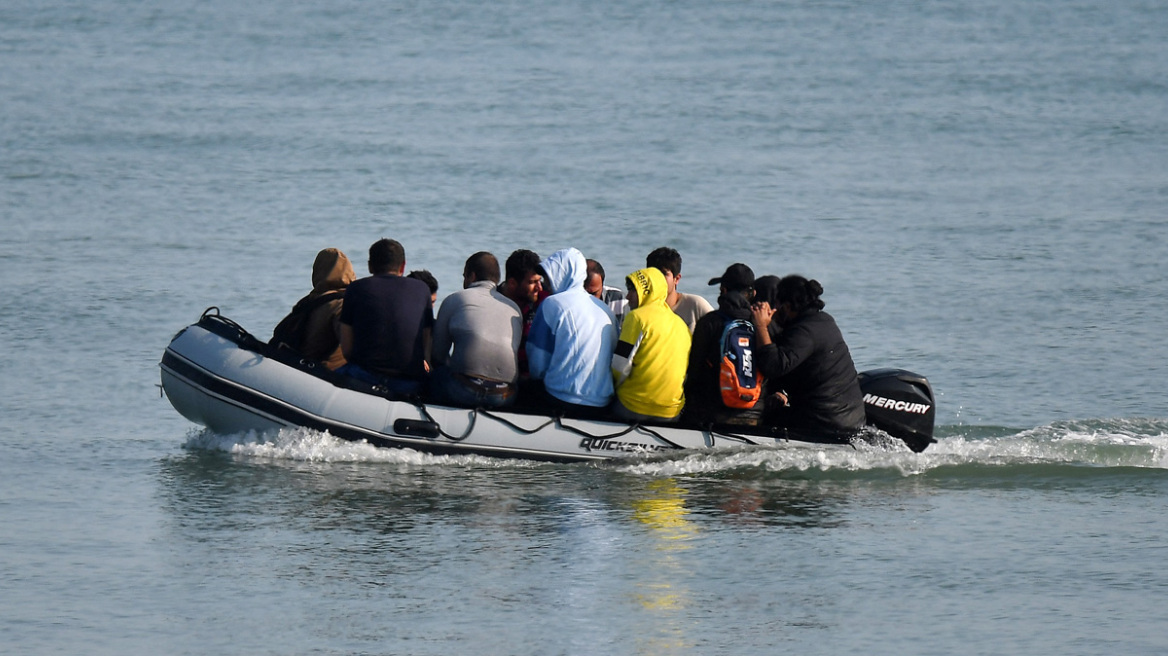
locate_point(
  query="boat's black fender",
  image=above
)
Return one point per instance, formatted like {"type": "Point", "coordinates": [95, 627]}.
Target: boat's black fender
{"type": "Point", "coordinates": [416, 428]}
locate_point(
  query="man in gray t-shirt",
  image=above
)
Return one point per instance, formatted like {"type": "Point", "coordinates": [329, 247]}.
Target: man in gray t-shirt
{"type": "Point", "coordinates": [483, 327]}
{"type": "Point", "coordinates": [690, 307]}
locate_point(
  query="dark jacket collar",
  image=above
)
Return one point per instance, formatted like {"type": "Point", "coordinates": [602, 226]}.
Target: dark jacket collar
{"type": "Point", "coordinates": [734, 305]}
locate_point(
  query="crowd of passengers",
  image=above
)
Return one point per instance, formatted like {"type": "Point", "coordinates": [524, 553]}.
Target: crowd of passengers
{"type": "Point", "coordinates": [549, 334]}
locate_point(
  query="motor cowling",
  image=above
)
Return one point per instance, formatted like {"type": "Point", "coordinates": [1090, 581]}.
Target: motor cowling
{"type": "Point", "coordinates": [901, 404]}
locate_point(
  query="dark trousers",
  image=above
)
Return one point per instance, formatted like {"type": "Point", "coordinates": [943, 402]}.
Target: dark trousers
{"type": "Point", "coordinates": [403, 387]}
{"type": "Point", "coordinates": [533, 395]}
{"type": "Point", "coordinates": [469, 392]}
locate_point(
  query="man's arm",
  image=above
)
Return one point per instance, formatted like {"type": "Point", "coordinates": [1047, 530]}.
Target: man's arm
{"type": "Point", "coordinates": [541, 343]}
{"type": "Point", "coordinates": [439, 348]}
{"type": "Point", "coordinates": [626, 351]}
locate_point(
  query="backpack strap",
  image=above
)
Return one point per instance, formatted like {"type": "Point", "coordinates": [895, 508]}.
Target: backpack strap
{"type": "Point", "coordinates": [307, 305]}
{"type": "Point", "coordinates": [291, 327]}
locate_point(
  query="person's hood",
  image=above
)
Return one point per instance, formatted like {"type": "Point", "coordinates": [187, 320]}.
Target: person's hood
{"type": "Point", "coordinates": [565, 270]}
{"type": "Point", "coordinates": [734, 304]}
{"type": "Point", "coordinates": [650, 286]}
{"type": "Point", "coordinates": [331, 270]}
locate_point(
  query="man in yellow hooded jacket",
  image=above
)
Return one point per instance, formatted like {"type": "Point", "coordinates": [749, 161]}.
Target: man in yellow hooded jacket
{"type": "Point", "coordinates": [649, 364]}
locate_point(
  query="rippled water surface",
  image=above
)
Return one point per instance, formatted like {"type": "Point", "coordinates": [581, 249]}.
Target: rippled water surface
{"type": "Point", "coordinates": [979, 187]}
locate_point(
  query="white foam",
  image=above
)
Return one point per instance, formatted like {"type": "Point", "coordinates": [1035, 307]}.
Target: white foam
{"type": "Point", "coordinates": [306, 445]}
{"type": "Point", "coordinates": [795, 457]}
{"type": "Point", "coordinates": [1112, 443]}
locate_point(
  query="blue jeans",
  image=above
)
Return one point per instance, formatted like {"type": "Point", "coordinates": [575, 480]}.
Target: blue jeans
{"type": "Point", "coordinates": [448, 388]}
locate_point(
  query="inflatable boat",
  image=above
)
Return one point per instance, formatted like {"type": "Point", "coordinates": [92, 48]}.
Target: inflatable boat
{"type": "Point", "coordinates": [219, 376]}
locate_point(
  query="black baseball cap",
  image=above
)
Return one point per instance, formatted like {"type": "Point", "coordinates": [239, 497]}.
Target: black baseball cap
{"type": "Point", "coordinates": [737, 276]}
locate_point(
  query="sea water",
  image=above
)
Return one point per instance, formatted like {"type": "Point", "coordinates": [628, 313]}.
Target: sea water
{"type": "Point", "coordinates": [980, 188]}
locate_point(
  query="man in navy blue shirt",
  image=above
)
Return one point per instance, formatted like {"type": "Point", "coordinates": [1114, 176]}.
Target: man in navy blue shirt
{"type": "Point", "coordinates": [386, 321]}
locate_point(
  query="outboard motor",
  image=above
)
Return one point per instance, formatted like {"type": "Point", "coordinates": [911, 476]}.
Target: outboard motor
{"type": "Point", "coordinates": [901, 404]}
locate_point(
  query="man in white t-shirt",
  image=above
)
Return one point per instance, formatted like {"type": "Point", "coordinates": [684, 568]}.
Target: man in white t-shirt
{"type": "Point", "coordinates": [690, 307]}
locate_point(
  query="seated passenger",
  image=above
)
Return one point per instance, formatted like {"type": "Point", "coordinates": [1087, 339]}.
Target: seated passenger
{"type": "Point", "coordinates": [313, 327]}
{"type": "Point", "coordinates": [386, 323]}
{"type": "Point", "coordinates": [809, 360]}
{"type": "Point", "coordinates": [766, 289]}
{"type": "Point", "coordinates": [690, 307]}
{"type": "Point", "coordinates": [524, 286]}
{"type": "Point", "coordinates": [431, 282]}
{"type": "Point", "coordinates": [704, 400]}
{"type": "Point", "coordinates": [613, 297]}
{"type": "Point", "coordinates": [651, 356]}
{"type": "Point", "coordinates": [484, 328]}
{"type": "Point", "coordinates": [570, 344]}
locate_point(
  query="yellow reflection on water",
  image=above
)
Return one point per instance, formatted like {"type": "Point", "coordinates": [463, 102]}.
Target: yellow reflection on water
{"type": "Point", "coordinates": [664, 511]}
{"type": "Point", "coordinates": [660, 590]}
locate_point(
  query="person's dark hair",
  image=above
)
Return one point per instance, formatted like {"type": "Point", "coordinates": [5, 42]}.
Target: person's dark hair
{"type": "Point", "coordinates": [665, 259]}
{"type": "Point", "coordinates": [520, 263]}
{"type": "Point", "coordinates": [800, 292]}
{"type": "Point", "coordinates": [766, 289]}
{"type": "Point", "coordinates": [386, 256]}
{"type": "Point", "coordinates": [483, 266]}
{"type": "Point", "coordinates": [594, 267]}
{"type": "Point", "coordinates": [426, 277]}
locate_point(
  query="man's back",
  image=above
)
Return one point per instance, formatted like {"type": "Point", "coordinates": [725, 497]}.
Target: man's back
{"type": "Point", "coordinates": [322, 339]}
{"type": "Point", "coordinates": [572, 338]}
{"type": "Point", "coordinates": [388, 315]}
{"type": "Point", "coordinates": [691, 308]}
{"type": "Point", "coordinates": [814, 367]}
{"type": "Point", "coordinates": [651, 356]}
{"type": "Point", "coordinates": [484, 327]}
{"type": "Point", "coordinates": [703, 396]}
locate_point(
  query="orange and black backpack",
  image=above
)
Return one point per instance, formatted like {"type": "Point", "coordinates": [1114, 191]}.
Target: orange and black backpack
{"type": "Point", "coordinates": [740, 383]}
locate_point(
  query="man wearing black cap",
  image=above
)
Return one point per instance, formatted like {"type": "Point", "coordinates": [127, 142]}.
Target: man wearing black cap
{"type": "Point", "coordinates": [703, 395]}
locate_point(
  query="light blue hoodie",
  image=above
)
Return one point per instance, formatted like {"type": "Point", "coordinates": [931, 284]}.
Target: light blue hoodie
{"type": "Point", "coordinates": [571, 340]}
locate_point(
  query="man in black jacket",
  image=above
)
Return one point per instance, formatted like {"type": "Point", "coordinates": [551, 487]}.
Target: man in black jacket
{"type": "Point", "coordinates": [703, 394]}
{"type": "Point", "coordinates": [809, 361]}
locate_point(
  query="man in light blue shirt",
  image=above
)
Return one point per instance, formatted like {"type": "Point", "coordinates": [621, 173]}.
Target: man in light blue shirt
{"type": "Point", "coordinates": [572, 337]}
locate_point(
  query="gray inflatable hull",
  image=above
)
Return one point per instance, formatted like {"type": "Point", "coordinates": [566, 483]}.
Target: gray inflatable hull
{"type": "Point", "coordinates": [227, 387]}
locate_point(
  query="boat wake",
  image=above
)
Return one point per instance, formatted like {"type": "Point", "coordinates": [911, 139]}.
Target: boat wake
{"type": "Point", "coordinates": [1086, 444]}
{"type": "Point", "coordinates": [1097, 443]}
{"type": "Point", "coordinates": [307, 445]}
